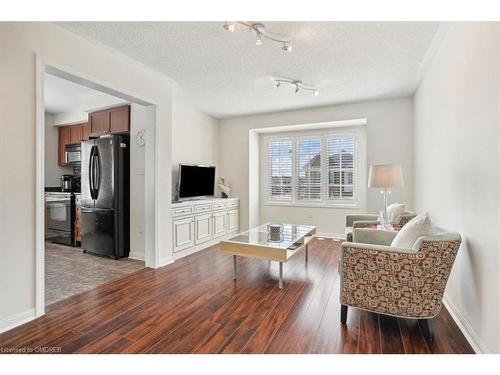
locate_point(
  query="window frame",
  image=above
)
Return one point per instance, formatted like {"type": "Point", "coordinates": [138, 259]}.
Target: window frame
{"type": "Point", "coordinates": [324, 201]}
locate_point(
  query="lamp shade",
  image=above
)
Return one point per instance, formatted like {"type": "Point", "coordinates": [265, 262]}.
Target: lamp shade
{"type": "Point", "coordinates": [386, 176]}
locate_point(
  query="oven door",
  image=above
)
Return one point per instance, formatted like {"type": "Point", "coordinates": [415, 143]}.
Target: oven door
{"type": "Point", "coordinates": [58, 214]}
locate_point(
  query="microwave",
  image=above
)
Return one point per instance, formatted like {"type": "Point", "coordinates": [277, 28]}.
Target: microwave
{"type": "Point", "coordinates": [73, 154]}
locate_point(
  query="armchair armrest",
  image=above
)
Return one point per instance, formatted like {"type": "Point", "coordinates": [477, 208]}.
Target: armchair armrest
{"type": "Point", "coordinates": [373, 236]}
{"type": "Point", "coordinates": [350, 219]}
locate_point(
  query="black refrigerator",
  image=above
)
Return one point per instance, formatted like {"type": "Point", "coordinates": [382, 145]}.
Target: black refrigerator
{"type": "Point", "coordinates": [105, 196]}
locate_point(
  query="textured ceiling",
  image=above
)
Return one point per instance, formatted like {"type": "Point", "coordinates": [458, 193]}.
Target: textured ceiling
{"type": "Point", "coordinates": [225, 74]}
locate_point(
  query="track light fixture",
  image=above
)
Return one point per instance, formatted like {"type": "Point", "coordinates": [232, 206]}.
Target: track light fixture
{"type": "Point", "coordinates": [260, 33]}
{"type": "Point", "coordinates": [298, 85]}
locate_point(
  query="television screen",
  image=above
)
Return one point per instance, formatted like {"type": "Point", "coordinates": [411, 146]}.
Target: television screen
{"type": "Point", "coordinates": [196, 181]}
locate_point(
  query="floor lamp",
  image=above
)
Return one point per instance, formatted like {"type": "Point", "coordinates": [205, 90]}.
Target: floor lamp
{"type": "Point", "coordinates": [386, 176]}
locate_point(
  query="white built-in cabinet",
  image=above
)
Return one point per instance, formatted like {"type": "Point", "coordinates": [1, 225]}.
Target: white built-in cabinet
{"type": "Point", "coordinates": [202, 223]}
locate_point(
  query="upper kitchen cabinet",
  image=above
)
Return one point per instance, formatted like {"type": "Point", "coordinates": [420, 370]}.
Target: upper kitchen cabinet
{"type": "Point", "coordinates": [63, 141]}
{"type": "Point", "coordinates": [110, 121]}
{"type": "Point", "coordinates": [85, 131]}
{"type": "Point", "coordinates": [99, 123]}
{"type": "Point", "coordinates": [120, 119]}
{"type": "Point", "coordinates": [75, 134]}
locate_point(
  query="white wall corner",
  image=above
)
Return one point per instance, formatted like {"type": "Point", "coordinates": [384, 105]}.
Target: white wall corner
{"type": "Point", "coordinates": [16, 320]}
{"type": "Point", "coordinates": [472, 337]}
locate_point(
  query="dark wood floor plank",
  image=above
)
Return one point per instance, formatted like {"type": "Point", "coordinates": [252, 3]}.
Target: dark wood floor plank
{"type": "Point", "coordinates": [194, 306]}
{"type": "Point", "coordinates": [369, 333]}
{"type": "Point", "coordinates": [390, 335]}
{"type": "Point", "coordinates": [413, 339]}
{"type": "Point", "coordinates": [447, 336]}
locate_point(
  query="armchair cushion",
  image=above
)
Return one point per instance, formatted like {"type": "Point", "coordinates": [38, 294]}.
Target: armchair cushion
{"type": "Point", "coordinates": [416, 227]}
{"type": "Point", "coordinates": [373, 236]}
{"type": "Point", "coordinates": [350, 219]}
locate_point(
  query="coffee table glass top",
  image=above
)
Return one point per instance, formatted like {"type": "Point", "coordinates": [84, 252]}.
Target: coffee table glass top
{"type": "Point", "coordinates": [289, 238]}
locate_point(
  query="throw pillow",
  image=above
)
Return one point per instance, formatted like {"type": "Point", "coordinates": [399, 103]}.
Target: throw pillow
{"type": "Point", "coordinates": [394, 210]}
{"type": "Point", "coordinates": [416, 227]}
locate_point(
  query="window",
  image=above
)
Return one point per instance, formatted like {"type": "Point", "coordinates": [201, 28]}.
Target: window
{"type": "Point", "coordinates": [340, 168]}
{"type": "Point", "coordinates": [308, 174]}
{"type": "Point", "coordinates": [313, 169]}
{"type": "Point", "coordinates": [280, 170]}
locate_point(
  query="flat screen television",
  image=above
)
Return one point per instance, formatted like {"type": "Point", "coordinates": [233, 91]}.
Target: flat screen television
{"type": "Point", "coordinates": [195, 181]}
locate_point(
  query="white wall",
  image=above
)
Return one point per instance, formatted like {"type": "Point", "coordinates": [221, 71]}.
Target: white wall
{"type": "Point", "coordinates": [18, 44]}
{"type": "Point", "coordinates": [457, 167]}
{"type": "Point", "coordinates": [389, 133]}
{"type": "Point", "coordinates": [53, 171]}
{"type": "Point", "coordinates": [194, 138]}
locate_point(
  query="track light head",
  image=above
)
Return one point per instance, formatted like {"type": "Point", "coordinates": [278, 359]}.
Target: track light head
{"type": "Point", "coordinates": [258, 40]}
{"type": "Point", "coordinates": [315, 92]}
{"type": "Point", "coordinates": [287, 47]}
{"type": "Point", "coordinates": [296, 88]}
{"type": "Point", "coordinates": [277, 84]}
{"type": "Point", "coordinates": [229, 26]}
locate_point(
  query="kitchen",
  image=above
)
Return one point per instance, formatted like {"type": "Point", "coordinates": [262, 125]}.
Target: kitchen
{"type": "Point", "coordinates": [88, 184]}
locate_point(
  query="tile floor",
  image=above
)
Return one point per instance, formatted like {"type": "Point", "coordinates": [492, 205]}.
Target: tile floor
{"type": "Point", "coordinates": [68, 271]}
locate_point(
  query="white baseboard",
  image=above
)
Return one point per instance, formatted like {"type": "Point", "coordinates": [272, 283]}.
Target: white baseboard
{"type": "Point", "coordinates": [166, 261]}
{"type": "Point", "coordinates": [15, 320]}
{"type": "Point", "coordinates": [469, 333]}
{"type": "Point", "coordinates": [137, 256]}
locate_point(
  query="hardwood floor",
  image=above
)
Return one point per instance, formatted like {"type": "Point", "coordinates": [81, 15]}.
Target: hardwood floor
{"type": "Point", "coordinates": [194, 306]}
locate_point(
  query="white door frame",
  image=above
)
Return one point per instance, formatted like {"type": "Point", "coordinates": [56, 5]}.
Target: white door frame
{"type": "Point", "coordinates": [152, 254]}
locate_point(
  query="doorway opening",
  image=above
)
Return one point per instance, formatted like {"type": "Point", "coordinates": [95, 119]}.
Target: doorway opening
{"type": "Point", "coordinates": [96, 172]}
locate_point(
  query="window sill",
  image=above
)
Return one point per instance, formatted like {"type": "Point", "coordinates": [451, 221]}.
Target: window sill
{"type": "Point", "coordinates": [350, 206]}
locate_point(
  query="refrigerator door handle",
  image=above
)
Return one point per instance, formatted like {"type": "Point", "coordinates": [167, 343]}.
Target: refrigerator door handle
{"type": "Point", "coordinates": [91, 173]}
{"type": "Point", "coordinates": [97, 173]}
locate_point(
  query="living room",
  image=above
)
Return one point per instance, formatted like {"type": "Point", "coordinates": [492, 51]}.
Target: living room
{"type": "Point", "coordinates": [309, 187]}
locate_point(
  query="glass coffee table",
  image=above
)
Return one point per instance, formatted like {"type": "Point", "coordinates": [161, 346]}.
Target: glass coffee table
{"type": "Point", "coordinates": [260, 243]}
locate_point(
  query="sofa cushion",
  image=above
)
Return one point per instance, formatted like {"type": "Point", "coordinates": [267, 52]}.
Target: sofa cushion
{"type": "Point", "coordinates": [394, 210]}
{"type": "Point", "coordinates": [416, 227]}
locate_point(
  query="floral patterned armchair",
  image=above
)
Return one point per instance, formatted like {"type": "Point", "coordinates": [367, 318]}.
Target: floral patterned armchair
{"type": "Point", "coordinates": [402, 282]}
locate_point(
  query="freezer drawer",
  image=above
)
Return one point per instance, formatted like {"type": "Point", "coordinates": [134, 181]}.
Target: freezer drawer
{"type": "Point", "coordinates": [98, 232]}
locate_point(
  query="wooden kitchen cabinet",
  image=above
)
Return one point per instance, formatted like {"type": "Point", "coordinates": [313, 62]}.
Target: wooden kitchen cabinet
{"type": "Point", "coordinates": [85, 131]}
{"type": "Point", "coordinates": [75, 134]}
{"type": "Point", "coordinates": [78, 220]}
{"type": "Point", "coordinates": [110, 121]}
{"type": "Point", "coordinates": [99, 123]}
{"type": "Point", "coordinates": [63, 141]}
{"type": "Point", "coordinates": [120, 119]}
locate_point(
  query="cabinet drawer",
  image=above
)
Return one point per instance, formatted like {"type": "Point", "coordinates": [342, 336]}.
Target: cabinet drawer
{"type": "Point", "coordinates": [218, 205]}
{"type": "Point", "coordinates": [202, 208]}
{"type": "Point", "coordinates": [182, 211]}
{"type": "Point", "coordinates": [232, 204]}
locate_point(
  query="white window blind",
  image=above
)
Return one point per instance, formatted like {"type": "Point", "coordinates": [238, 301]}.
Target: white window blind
{"type": "Point", "coordinates": [280, 170]}
{"type": "Point", "coordinates": [341, 168]}
{"type": "Point", "coordinates": [308, 173]}
{"type": "Point", "coordinates": [313, 169]}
